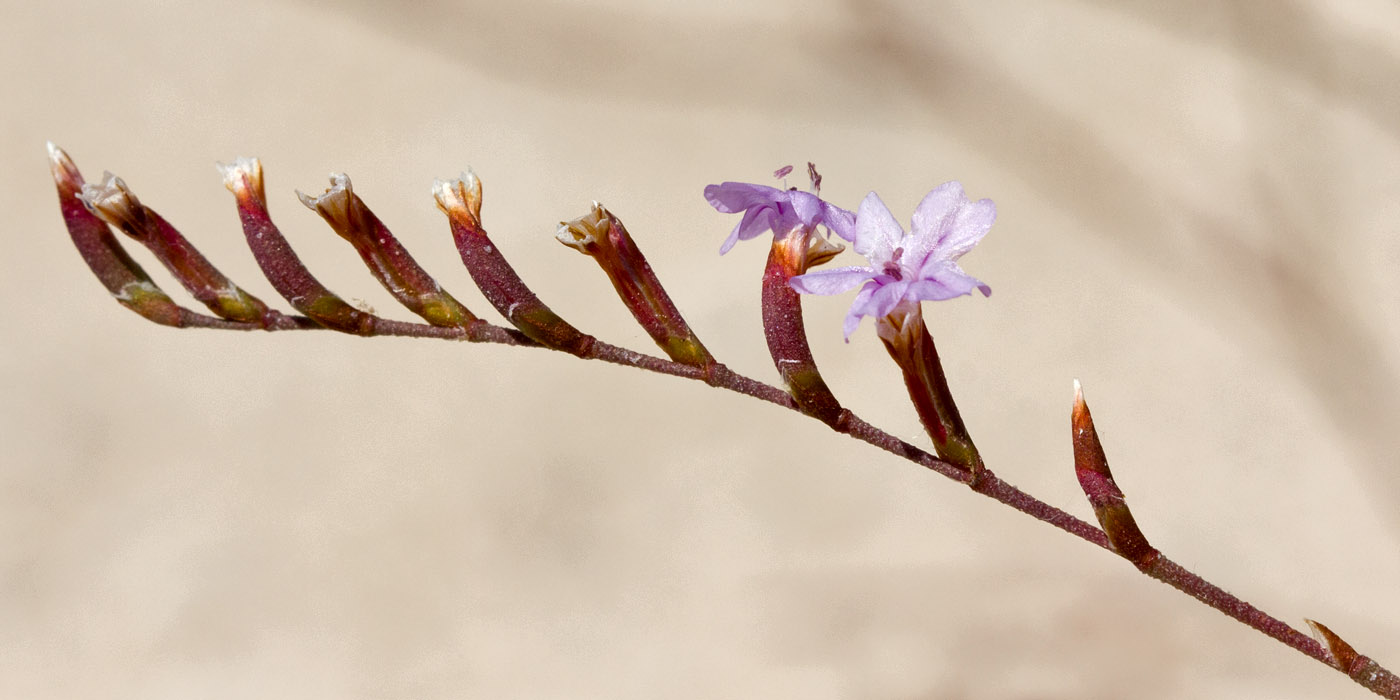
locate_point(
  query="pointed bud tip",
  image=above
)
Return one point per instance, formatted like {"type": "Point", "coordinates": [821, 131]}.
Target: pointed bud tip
{"type": "Point", "coordinates": [1343, 655]}
{"type": "Point", "coordinates": [62, 167]}
{"type": "Point", "coordinates": [1080, 412]}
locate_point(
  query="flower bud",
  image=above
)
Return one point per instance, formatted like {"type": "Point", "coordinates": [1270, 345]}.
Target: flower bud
{"type": "Point", "coordinates": [460, 200]}
{"type": "Point", "coordinates": [1362, 669]}
{"type": "Point", "coordinates": [1107, 500]}
{"type": "Point", "coordinates": [279, 263]}
{"type": "Point", "coordinates": [104, 255]}
{"type": "Point", "coordinates": [114, 202]}
{"type": "Point", "coordinates": [601, 236]}
{"type": "Point", "coordinates": [385, 257]}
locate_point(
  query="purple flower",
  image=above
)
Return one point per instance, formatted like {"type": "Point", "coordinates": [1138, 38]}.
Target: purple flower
{"type": "Point", "coordinates": [771, 209]}
{"type": "Point", "coordinates": [908, 267]}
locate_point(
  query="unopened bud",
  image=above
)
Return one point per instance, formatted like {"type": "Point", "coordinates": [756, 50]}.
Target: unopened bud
{"type": "Point", "coordinates": [104, 255]}
{"type": "Point", "coordinates": [385, 257]}
{"type": "Point", "coordinates": [116, 204]}
{"type": "Point", "coordinates": [279, 263]}
{"type": "Point", "coordinates": [1109, 504]}
{"type": "Point", "coordinates": [600, 235]}
{"type": "Point", "coordinates": [460, 200]}
{"type": "Point", "coordinates": [1362, 669]}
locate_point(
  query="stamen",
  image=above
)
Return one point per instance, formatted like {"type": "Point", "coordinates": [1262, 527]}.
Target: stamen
{"type": "Point", "coordinates": [892, 268]}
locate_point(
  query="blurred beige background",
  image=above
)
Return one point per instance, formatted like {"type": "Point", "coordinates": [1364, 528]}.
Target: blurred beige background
{"type": "Point", "coordinates": [1198, 210]}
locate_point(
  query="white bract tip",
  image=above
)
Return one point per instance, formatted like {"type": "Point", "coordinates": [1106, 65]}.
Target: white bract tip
{"type": "Point", "coordinates": [241, 170]}
{"type": "Point", "coordinates": [61, 165]}
{"type": "Point", "coordinates": [591, 228]}
{"type": "Point", "coordinates": [335, 200]}
{"type": "Point", "coordinates": [463, 193]}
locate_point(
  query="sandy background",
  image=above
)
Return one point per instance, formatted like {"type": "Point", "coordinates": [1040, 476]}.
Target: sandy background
{"type": "Point", "coordinates": [1198, 209]}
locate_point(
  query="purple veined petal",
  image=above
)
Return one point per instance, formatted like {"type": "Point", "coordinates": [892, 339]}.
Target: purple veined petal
{"type": "Point", "coordinates": [966, 228]}
{"type": "Point", "coordinates": [756, 221]}
{"type": "Point", "coordinates": [877, 232]}
{"type": "Point", "coordinates": [806, 206]}
{"type": "Point", "coordinates": [753, 223]}
{"type": "Point", "coordinates": [888, 296]}
{"type": "Point", "coordinates": [858, 310]}
{"type": "Point", "coordinates": [833, 281]}
{"type": "Point", "coordinates": [729, 242]}
{"type": "Point", "coordinates": [936, 206]}
{"type": "Point", "coordinates": [945, 280]}
{"type": "Point", "coordinates": [926, 226]}
{"type": "Point", "coordinates": [841, 222]}
{"type": "Point", "coordinates": [733, 197]}
{"type": "Point", "coordinates": [782, 218]}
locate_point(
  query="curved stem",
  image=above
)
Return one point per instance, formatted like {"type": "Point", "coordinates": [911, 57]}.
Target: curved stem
{"type": "Point", "coordinates": [987, 483]}
{"type": "Point", "coordinates": [992, 486]}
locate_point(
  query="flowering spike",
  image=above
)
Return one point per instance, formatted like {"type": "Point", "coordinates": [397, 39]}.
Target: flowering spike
{"type": "Point", "coordinates": [104, 255]}
{"type": "Point", "coordinates": [600, 235]}
{"type": "Point", "coordinates": [460, 200]}
{"type": "Point", "coordinates": [1359, 668]}
{"type": "Point", "coordinates": [386, 258]}
{"type": "Point", "coordinates": [279, 262]}
{"type": "Point", "coordinates": [1107, 500]}
{"type": "Point", "coordinates": [115, 203]}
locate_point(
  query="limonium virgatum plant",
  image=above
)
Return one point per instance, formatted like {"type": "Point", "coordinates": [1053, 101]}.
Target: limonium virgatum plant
{"type": "Point", "coordinates": [904, 269]}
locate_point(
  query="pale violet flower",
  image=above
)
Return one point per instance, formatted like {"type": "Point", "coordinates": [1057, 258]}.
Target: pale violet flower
{"type": "Point", "coordinates": [780, 211]}
{"type": "Point", "coordinates": [920, 265]}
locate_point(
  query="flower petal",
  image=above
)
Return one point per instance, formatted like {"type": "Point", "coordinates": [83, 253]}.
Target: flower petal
{"type": "Point", "coordinates": [858, 310]}
{"type": "Point", "coordinates": [946, 225]}
{"type": "Point", "coordinates": [806, 206]}
{"type": "Point", "coordinates": [888, 296]}
{"type": "Point", "coordinates": [927, 222]}
{"type": "Point", "coordinates": [755, 222]}
{"type": "Point", "coordinates": [833, 281]}
{"type": "Point", "coordinates": [733, 197]}
{"type": "Point", "coordinates": [936, 206]}
{"type": "Point", "coordinates": [877, 232]}
{"type": "Point", "coordinates": [967, 228]}
{"type": "Point", "coordinates": [944, 280]}
{"type": "Point", "coordinates": [841, 222]}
